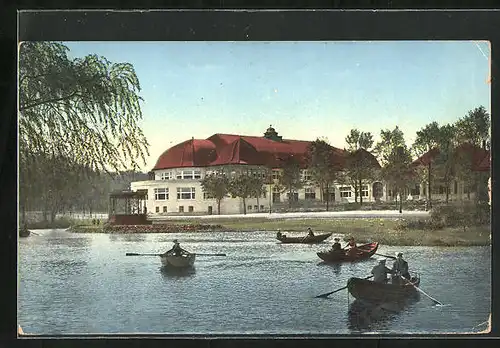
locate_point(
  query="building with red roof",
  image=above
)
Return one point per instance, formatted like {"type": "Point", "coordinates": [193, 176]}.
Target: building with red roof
{"type": "Point", "coordinates": [176, 188]}
{"type": "Point", "coordinates": [477, 158]}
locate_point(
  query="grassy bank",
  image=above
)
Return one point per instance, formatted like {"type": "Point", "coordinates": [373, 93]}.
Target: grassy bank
{"type": "Point", "coordinates": [384, 231]}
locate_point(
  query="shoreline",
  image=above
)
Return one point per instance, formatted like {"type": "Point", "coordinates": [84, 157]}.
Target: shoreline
{"type": "Point", "coordinates": [391, 232]}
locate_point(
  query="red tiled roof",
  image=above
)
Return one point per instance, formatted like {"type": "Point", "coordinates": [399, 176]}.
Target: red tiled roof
{"type": "Point", "coordinates": [220, 149]}
{"type": "Point", "coordinates": [190, 153]}
{"type": "Point", "coordinates": [480, 156]}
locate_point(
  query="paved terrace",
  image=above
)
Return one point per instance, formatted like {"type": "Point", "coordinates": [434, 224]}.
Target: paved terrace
{"type": "Point", "coordinates": [360, 214]}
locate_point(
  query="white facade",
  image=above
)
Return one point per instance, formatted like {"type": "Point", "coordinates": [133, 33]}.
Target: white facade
{"type": "Point", "coordinates": [179, 192]}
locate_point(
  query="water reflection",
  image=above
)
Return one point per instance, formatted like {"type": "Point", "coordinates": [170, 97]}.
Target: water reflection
{"type": "Point", "coordinates": [364, 316]}
{"type": "Point", "coordinates": [336, 267]}
{"type": "Point", "coordinates": [172, 272]}
{"type": "Point", "coordinates": [127, 237]}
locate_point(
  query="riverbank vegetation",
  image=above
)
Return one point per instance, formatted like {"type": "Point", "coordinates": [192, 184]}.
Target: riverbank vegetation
{"type": "Point", "coordinates": [453, 225]}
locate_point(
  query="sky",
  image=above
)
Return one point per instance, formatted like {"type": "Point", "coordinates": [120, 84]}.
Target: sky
{"type": "Point", "coordinates": [305, 90]}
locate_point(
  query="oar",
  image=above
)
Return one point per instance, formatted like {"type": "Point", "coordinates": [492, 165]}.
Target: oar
{"type": "Point", "coordinates": [422, 291]}
{"type": "Point", "coordinates": [136, 254]}
{"type": "Point", "coordinates": [334, 291]}
{"type": "Point", "coordinates": [389, 257]}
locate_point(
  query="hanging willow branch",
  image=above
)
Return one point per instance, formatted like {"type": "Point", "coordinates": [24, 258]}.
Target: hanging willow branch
{"type": "Point", "coordinates": [85, 109]}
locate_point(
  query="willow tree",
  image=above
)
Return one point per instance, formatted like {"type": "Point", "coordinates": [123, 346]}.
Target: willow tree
{"type": "Point", "coordinates": [83, 110]}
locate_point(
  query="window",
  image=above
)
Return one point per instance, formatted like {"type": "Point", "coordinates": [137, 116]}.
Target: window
{"type": "Point", "coordinates": [295, 196]}
{"type": "Point", "coordinates": [345, 191]}
{"type": "Point", "coordinates": [181, 209]}
{"type": "Point", "coordinates": [455, 187]}
{"type": "Point", "coordinates": [415, 191]}
{"type": "Point", "coordinates": [191, 208]}
{"type": "Point", "coordinates": [185, 193]}
{"type": "Point", "coordinates": [166, 176]}
{"type": "Point", "coordinates": [306, 175]}
{"type": "Point", "coordinates": [310, 193]}
{"type": "Point", "coordinates": [161, 194]}
{"type": "Point", "coordinates": [425, 191]}
{"type": "Point", "coordinates": [249, 207]}
{"type": "Point", "coordinates": [164, 209]}
{"type": "Point", "coordinates": [157, 209]}
{"type": "Point", "coordinates": [261, 207]}
{"type": "Point", "coordinates": [276, 174]}
{"type": "Point", "coordinates": [189, 174]}
{"type": "Point", "coordinates": [207, 196]}
{"type": "Point", "coordinates": [255, 207]}
{"type": "Point", "coordinates": [364, 191]}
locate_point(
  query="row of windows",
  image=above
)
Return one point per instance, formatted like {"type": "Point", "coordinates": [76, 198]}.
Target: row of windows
{"type": "Point", "coordinates": [184, 174]}
{"type": "Point", "coordinates": [181, 209]}
{"type": "Point", "coordinates": [161, 194]}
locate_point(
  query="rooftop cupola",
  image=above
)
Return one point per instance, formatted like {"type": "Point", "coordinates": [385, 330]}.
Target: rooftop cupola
{"type": "Point", "coordinates": [271, 134]}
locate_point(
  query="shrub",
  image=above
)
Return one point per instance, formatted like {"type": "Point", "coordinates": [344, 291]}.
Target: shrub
{"type": "Point", "coordinates": [463, 214]}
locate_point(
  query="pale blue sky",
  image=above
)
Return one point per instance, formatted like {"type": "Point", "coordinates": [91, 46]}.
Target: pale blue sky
{"type": "Point", "coordinates": [304, 89]}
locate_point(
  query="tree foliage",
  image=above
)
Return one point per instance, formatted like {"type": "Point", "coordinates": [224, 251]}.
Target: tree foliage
{"type": "Point", "coordinates": [359, 165]}
{"type": "Point", "coordinates": [323, 167]}
{"type": "Point", "coordinates": [84, 109]}
{"type": "Point", "coordinates": [243, 186]}
{"type": "Point", "coordinates": [290, 178]}
{"type": "Point", "coordinates": [76, 116]}
{"type": "Point", "coordinates": [216, 186]}
{"type": "Point", "coordinates": [397, 171]}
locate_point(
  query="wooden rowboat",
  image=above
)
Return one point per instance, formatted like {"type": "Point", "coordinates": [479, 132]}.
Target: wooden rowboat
{"type": "Point", "coordinates": [304, 240]}
{"type": "Point", "coordinates": [364, 252]}
{"type": "Point", "coordinates": [372, 292]}
{"type": "Point", "coordinates": [183, 260]}
{"type": "Point", "coordinates": [24, 232]}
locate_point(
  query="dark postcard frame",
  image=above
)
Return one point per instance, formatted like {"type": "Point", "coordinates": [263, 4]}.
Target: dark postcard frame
{"type": "Point", "coordinates": [226, 25]}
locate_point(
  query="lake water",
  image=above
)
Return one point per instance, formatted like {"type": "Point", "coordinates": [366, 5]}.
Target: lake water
{"type": "Point", "coordinates": [84, 283]}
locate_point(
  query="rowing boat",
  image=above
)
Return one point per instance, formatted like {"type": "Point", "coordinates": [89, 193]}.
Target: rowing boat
{"type": "Point", "coordinates": [304, 240]}
{"type": "Point", "coordinates": [365, 251]}
{"type": "Point", "coordinates": [183, 260]}
{"type": "Point", "coordinates": [370, 291]}
{"type": "Point", "coordinates": [24, 232]}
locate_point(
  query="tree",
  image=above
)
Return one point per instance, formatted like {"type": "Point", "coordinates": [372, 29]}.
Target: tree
{"type": "Point", "coordinates": [324, 166]}
{"type": "Point", "coordinates": [360, 164]}
{"type": "Point", "coordinates": [242, 186]}
{"type": "Point", "coordinates": [258, 189]}
{"type": "Point", "coordinates": [83, 110]}
{"type": "Point", "coordinates": [426, 142]}
{"type": "Point", "coordinates": [445, 160]}
{"type": "Point", "coordinates": [388, 142]}
{"type": "Point", "coordinates": [397, 171]}
{"type": "Point", "coordinates": [290, 177]}
{"type": "Point", "coordinates": [474, 128]}
{"type": "Point", "coordinates": [216, 186]}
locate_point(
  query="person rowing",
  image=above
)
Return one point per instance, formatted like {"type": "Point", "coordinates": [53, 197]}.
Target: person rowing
{"type": "Point", "coordinates": [336, 247]}
{"type": "Point", "coordinates": [380, 272]}
{"type": "Point", "coordinates": [310, 232]}
{"type": "Point", "coordinates": [351, 247]}
{"type": "Point", "coordinates": [400, 268]}
{"type": "Point", "coordinates": [176, 249]}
